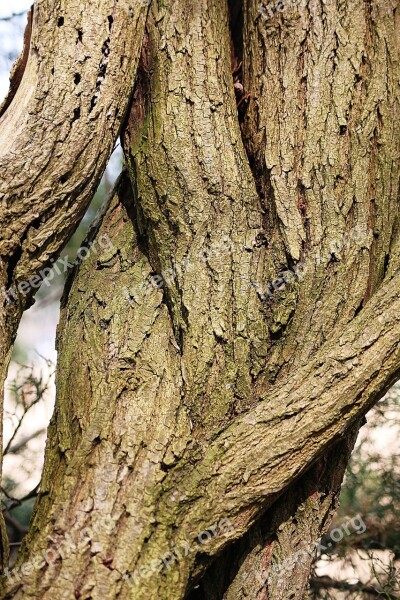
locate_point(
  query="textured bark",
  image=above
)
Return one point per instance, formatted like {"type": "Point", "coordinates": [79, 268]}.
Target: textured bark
{"type": "Point", "coordinates": [198, 208]}
{"type": "Point", "coordinates": [217, 397]}
{"type": "Point", "coordinates": [68, 96]}
{"type": "Point", "coordinates": [274, 559]}
{"type": "Point", "coordinates": [324, 146]}
{"type": "Point", "coordinates": [60, 128]}
{"type": "Point", "coordinates": [281, 134]}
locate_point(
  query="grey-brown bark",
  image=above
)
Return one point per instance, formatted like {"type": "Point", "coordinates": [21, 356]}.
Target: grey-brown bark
{"type": "Point", "coordinates": [274, 559]}
{"type": "Point", "coordinates": [68, 96]}
{"type": "Point", "coordinates": [212, 395]}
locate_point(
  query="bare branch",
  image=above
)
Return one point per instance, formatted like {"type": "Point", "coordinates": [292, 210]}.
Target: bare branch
{"type": "Point", "coordinates": [74, 92]}
{"type": "Point", "coordinates": [16, 448]}
{"type": "Point", "coordinates": [23, 392]}
{"type": "Point", "coordinates": [72, 88]}
{"type": "Point", "coordinates": [18, 501]}
{"type": "Point", "coordinates": [13, 16]}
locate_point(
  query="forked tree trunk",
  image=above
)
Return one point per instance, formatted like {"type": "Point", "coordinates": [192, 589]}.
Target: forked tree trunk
{"type": "Point", "coordinates": [196, 404]}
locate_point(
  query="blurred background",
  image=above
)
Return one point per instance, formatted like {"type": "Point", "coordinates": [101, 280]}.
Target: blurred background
{"type": "Point", "coordinates": [359, 566]}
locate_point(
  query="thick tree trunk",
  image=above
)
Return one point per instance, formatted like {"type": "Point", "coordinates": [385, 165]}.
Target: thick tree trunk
{"type": "Point", "coordinates": [193, 399]}
{"type": "Point", "coordinates": [68, 95]}
{"type": "Point", "coordinates": [276, 57]}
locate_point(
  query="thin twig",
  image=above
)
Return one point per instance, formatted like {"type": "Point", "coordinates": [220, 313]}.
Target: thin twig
{"type": "Point", "coordinates": [326, 582]}
{"type": "Point", "coordinates": [13, 16]}
{"type": "Point", "coordinates": [24, 441]}
{"type": "Point", "coordinates": [18, 501]}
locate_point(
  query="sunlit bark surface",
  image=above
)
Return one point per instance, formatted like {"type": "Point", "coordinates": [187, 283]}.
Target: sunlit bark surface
{"type": "Point", "coordinates": [217, 358]}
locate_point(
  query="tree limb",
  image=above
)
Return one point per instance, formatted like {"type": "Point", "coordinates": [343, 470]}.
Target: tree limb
{"type": "Point", "coordinates": [58, 128]}
{"type": "Point", "coordinates": [72, 96]}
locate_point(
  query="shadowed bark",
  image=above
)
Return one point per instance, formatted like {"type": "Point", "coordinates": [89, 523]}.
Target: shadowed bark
{"type": "Point", "coordinates": [274, 559]}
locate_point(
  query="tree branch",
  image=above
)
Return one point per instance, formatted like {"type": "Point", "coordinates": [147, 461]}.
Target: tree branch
{"type": "Point", "coordinates": [73, 94]}
{"type": "Point", "coordinates": [248, 466]}
{"type": "Point", "coordinates": [18, 501]}
{"type": "Point", "coordinates": [58, 128]}
{"type": "Point", "coordinates": [16, 448]}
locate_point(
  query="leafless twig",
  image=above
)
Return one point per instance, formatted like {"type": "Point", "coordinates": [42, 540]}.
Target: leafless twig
{"type": "Point", "coordinates": [18, 501]}
{"type": "Point", "coordinates": [13, 16]}
{"type": "Point", "coordinates": [326, 583]}
{"type": "Point", "coordinates": [21, 445]}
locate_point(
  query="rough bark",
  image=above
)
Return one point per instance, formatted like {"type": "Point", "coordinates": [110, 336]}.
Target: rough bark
{"type": "Point", "coordinates": [277, 53]}
{"type": "Point", "coordinates": [68, 95]}
{"type": "Point", "coordinates": [109, 457]}
{"type": "Point", "coordinates": [209, 399]}
{"type": "Point", "coordinates": [274, 559]}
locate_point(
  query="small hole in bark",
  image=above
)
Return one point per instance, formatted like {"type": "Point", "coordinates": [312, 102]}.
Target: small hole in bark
{"type": "Point", "coordinates": [386, 264]}
{"type": "Point", "coordinates": [106, 47]}
{"type": "Point", "coordinates": [343, 129]}
{"type": "Point", "coordinates": [64, 178]}
{"type": "Point", "coordinates": [334, 258]}
{"type": "Point", "coordinates": [276, 335]}
{"type": "Point", "coordinates": [60, 22]}
{"type": "Point", "coordinates": [12, 264]}
{"type": "Point", "coordinates": [80, 35]}
{"type": "Point", "coordinates": [77, 78]}
{"type": "Point", "coordinates": [110, 21]}
{"type": "Point", "coordinates": [77, 114]}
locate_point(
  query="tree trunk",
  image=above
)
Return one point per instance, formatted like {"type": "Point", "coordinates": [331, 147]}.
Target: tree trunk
{"type": "Point", "coordinates": [69, 92]}
{"type": "Point", "coordinates": [216, 361]}
{"type": "Point", "coordinates": [275, 557]}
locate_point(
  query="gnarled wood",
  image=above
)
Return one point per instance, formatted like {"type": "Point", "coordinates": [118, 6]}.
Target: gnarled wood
{"type": "Point", "coordinates": [68, 97]}
{"type": "Point", "coordinates": [209, 399]}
